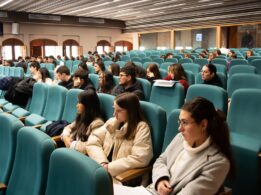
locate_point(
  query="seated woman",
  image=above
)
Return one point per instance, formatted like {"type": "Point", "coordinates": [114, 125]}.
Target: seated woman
{"type": "Point", "coordinates": [114, 69]}
{"type": "Point", "coordinates": [249, 53]}
{"type": "Point", "coordinates": [87, 120]}
{"type": "Point", "coordinates": [199, 158]}
{"type": "Point", "coordinates": [177, 73]}
{"type": "Point", "coordinates": [99, 67]}
{"type": "Point", "coordinates": [124, 141]}
{"type": "Point", "coordinates": [106, 83]}
{"type": "Point", "coordinates": [152, 72]}
{"type": "Point", "coordinates": [209, 75]}
{"type": "Point", "coordinates": [43, 75]}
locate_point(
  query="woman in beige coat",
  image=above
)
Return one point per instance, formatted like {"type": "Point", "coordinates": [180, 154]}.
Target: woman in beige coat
{"type": "Point", "coordinates": [199, 158]}
{"type": "Point", "coordinates": [88, 119]}
{"type": "Point", "coordinates": [123, 142]}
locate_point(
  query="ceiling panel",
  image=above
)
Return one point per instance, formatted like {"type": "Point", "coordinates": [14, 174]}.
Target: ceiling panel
{"type": "Point", "coordinates": [142, 15]}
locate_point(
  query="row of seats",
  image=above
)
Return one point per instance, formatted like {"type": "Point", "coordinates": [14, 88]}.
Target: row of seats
{"type": "Point", "coordinates": [11, 71]}
{"type": "Point", "coordinates": [31, 164]}
{"type": "Point", "coordinates": [243, 122]}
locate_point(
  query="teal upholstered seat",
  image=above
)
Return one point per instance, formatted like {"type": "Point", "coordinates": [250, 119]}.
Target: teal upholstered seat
{"type": "Point", "coordinates": [217, 95]}
{"type": "Point", "coordinates": [9, 126]}
{"type": "Point", "coordinates": [71, 173]}
{"type": "Point", "coordinates": [95, 80]}
{"type": "Point", "coordinates": [37, 103]}
{"type": "Point", "coordinates": [168, 98]}
{"type": "Point", "coordinates": [244, 123]}
{"type": "Point", "coordinates": [29, 173]}
{"type": "Point", "coordinates": [106, 103]}
{"type": "Point", "coordinates": [171, 128]}
{"type": "Point", "coordinates": [243, 80]}
{"type": "Point", "coordinates": [242, 69]}
{"type": "Point", "coordinates": [156, 118]}
{"type": "Point", "coordinates": [53, 108]}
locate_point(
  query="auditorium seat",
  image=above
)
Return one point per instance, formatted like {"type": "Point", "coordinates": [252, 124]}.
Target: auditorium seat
{"type": "Point", "coordinates": [31, 162]}
{"type": "Point", "coordinates": [71, 172]}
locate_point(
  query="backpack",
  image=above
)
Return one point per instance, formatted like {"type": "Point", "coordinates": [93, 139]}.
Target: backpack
{"type": "Point", "coordinates": [56, 127]}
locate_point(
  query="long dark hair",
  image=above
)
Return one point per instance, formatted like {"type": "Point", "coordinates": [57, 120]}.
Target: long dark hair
{"type": "Point", "coordinates": [107, 82]}
{"type": "Point", "coordinates": [178, 71]}
{"type": "Point", "coordinates": [45, 73]}
{"type": "Point", "coordinates": [91, 102]}
{"type": "Point", "coordinates": [130, 102]}
{"type": "Point", "coordinates": [200, 109]}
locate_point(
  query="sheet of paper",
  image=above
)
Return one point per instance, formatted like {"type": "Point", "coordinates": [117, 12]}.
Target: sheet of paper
{"type": "Point", "coordinates": [125, 190]}
{"type": "Point", "coordinates": [164, 83]}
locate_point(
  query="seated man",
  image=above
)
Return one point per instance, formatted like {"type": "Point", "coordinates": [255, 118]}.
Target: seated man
{"type": "Point", "coordinates": [128, 83]}
{"type": "Point", "coordinates": [63, 75]}
{"type": "Point", "coordinates": [81, 80]}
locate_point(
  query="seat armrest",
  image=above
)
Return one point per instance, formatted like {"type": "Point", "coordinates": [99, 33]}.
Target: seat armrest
{"type": "Point", "coordinates": [22, 118]}
{"type": "Point", "coordinates": [227, 191]}
{"type": "Point", "coordinates": [57, 138]}
{"type": "Point", "coordinates": [2, 187]}
{"type": "Point", "coordinates": [133, 173]}
{"type": "Point", "coordinates": [259, 154]}
{"type": "Point", "coordinates": [37, 126]}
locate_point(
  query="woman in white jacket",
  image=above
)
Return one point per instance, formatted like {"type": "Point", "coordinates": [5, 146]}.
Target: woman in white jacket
{"type": "Point", "coordinates": [199, 158]}
{"type": "Point", "coordinates": [88, 119]}
{"type": "Point", "coordinates": [124, 141]}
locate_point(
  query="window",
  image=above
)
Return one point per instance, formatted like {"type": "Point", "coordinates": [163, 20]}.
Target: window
{"type": "Point", "coordinates": [12, 48]}
{"type": "Point", "coordinates": [103, 46]}
{"type": "Point", "coordinates": [70, 48]}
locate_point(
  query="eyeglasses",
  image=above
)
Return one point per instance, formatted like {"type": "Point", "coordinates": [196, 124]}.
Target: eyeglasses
{"type": "Point", "coordinates": [184, 123]}
{"type": "Point", "coordinates": [122, 75]}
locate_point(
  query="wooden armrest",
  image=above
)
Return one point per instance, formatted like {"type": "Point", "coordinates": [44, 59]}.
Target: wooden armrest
{"type": "Point", "coordinates": [22, 118]}
{"type": "Point", "coordinates": [227, 191]}
{"type": "Point", "coordinates": [37, 126]}
{"type": "Point", "coordinates": [2, 187]}
{"type": "Point", "coordinates": [57, 138]}
{"type": "Point", "coordinates": [133, 173]}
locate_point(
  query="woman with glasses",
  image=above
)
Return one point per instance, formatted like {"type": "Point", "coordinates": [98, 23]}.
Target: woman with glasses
{"type": "Point", "coordinates": [199, 158]}
{"type": "Point", "coordinates": [124, 141]}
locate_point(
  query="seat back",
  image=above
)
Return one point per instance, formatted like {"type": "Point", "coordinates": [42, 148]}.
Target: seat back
{"type": "Point", "coordinates": [185, 60]}
{"type": "Point", "coordinates": [55, 103]}
{"type": "Point", "coordinates": [201, 61]}
{"type": "Point", "coordinates": [245, 111]}
{"type": "Point", "coordinates": [195, 68]}
{"type": "Point", "coordinates": [171, 128]}
{"type": "Point", "coordinates": [29, 174]}
{"type": "Point", "coordinates": [257, 65]}
{"type": "Point", "coordinates": [217, 95]}
{"type": "Point", "coordinates": [156, 118]}
{"type": "Point", "coordinates": [219, 61]}
{"type": "Point", "coordinates": [95, 80]}
{"type": "Point", "coordinates": [9, 126]}
{"type": "Point", "coordinates": [165, 65]}
{"type": "Point", "coordinates": [190, 77]}
{"type": "Point", "coordinates": [243, 80]}
{"type": "Point", "coordinates": [91, 69]}
{"type": "Point", "coordinates": [172, 60]}
{"type": "Point", "coordinates": [19, 72]}
{"type": "Point", "coordinates": [237, 62]}
{"type": "Point", "coordinates": [146, 86]}
{"type": "Point", "coordinates": [168, 98]}
{"type": "Point", "coordinates": [12, 71]}
{"type": "Point", "coordinates": [106, 103]}
{"type": "Point", "coordinates": [71, 172]}
{"type": "Point", "coordinates": [70, 110]}
{"type": "Point", "coordinates": [242, 69]}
